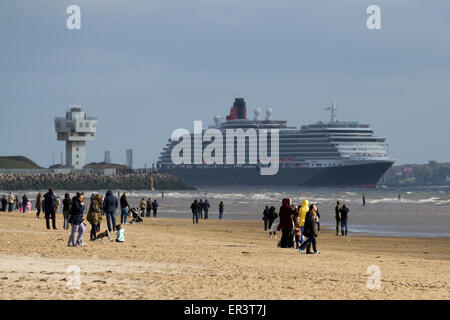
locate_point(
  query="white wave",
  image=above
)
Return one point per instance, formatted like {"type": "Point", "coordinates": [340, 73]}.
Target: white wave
{"type": "Point", "coordinates": [442, 202]}
{"type": "Point", "coordinates": [429, 200]}
{"type": "Point", "coordinates": [384, 200]}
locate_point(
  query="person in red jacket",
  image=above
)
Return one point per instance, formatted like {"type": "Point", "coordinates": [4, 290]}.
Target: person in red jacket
{"type": "Point", "coordinates": [287, 224]}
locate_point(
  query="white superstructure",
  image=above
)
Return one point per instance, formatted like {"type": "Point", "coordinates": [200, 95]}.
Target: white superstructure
{"type": "Point", "coordinates": [76, 128]}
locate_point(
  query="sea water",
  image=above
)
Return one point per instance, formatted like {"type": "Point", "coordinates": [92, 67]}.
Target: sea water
{"type": "Point", "coordinates": [419, 212]}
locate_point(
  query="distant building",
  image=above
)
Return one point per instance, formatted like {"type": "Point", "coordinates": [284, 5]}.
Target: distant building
{"type": "Point", "coordinates": [107, 157]}
{"type": "Point", "coordinates": [129, 158]}
{"type": "Point", "coordinates": [76, 128]}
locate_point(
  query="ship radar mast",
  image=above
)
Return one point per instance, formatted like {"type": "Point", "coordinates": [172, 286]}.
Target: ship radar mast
{"type": "Point", "coordinates": [333, 111]}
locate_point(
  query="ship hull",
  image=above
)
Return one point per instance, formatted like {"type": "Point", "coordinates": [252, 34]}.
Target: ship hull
{"type": "Point", "coordinates": [357, 175]}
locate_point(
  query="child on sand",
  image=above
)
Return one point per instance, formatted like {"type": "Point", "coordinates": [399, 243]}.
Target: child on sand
{"type": "Point", "coordinates": [119, 233]}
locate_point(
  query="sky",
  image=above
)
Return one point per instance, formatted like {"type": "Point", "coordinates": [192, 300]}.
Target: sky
{"type": "Point", "coordinates": [145, 68]}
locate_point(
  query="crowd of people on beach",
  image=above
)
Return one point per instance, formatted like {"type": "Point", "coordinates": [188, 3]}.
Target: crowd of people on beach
{"type": "Point", "coordinates": [300, 225]}
{"type": "Point", "coordinates": [147, 207]}
{"type": "Point", "coordinates": [200, 207]}
{"type": "Point", "coordinates": [13, 203]}
{"type": "Point", "coordinates": [73, 209]}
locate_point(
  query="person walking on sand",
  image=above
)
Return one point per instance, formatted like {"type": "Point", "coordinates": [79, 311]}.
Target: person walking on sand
{"type": "Point", "coordinates": [206, 208]}
{"type": "Point", "coordinates": [49, 208]}
{"type": "Point", "coordinates": [24, 203]}
{"type": "Point", "coordinates": [200, 211]}
{"type": "Point", "coordinates": [17, 203]}
{"type": "Point", "coordinates": [58, 205]}
{"type": "Point", "coordinates": [38, 205]}
{"type": "Point", "coordinates": [337, 214]}
{"type": "Point", "coordinates": [76, 220]}
{"type": "Point", "coordinates": [273, 215]}
{"type": "Point", "coordinates": [297, 231]}
{"type": "Point", "coordinates": [124, 208]}
{"type": "Point", "coordinates": [4, 203]}
{"type": "Point", "coordinates": [155, 206]}
{"type": "Point", "coordinates": [149, 208]}
{"type": "Point", "coordinates": [67, 205]}
{"type": "Point", "coordinates": [286, 224]}
{"type": "Point", "coordinates": [318, 220]}
{"type": "Point", "coordinates": [364, 200]}
{"type": "Point", "coordinates": [310, 230]}
{"type": "Point", "coordinates": [344, 220]}
{"type": "Point", "coordinates": [274, 228]}
{"type": "Point", "coordinates": [28, 206]}
{"type": "Point", "coordinates": [195, 208]}
{"type": "Point", "coordinates": [221, 210]}
{"type": "Point", "coordinates": [94, 216]}
{"type": "Point", "coordinates": [142, 207]}
{"type": "Point", "coordinates": [11, 201]}
{"type": "Point", "coordinates": [266, 218]}
{"type": "Point", "coordinates": [110, 204]}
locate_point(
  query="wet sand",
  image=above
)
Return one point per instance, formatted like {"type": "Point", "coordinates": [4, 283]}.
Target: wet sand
{"type": "Point", "coordinates": [169, 258]}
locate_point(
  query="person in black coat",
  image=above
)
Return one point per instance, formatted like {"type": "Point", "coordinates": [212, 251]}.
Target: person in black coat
{"type": "Point", "coordinates": [124, 207]}
{"type": "Point", "coordinates": [49, 208]}
{"type": "Point", "coordinates": [76, 220]}
{"type": "Point", "coordinates": [310, 230]}
{"type": "Point", "coordinates": [221, 210]}
{"type": "Point", "coordinates": [273, 215]}
{"type": "Point", "coordinates": [195, 208]}
{"type": "Point", "coordinates": [67, 205]}
{"type": "Point", "coordinates": [4, 203]}
{"type": "Point", "coordinates": [266, 213]}
{"type": "Point", "coordinates": [24, 203]}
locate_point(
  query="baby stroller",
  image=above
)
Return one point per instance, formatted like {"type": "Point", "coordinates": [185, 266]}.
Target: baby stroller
{"type": "Point", "coordinates": [135, 213]}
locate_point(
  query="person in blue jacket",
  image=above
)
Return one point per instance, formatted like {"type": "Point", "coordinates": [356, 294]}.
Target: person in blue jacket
{"type": "Point", "coordinates": [110, 204]}
{"type": "Point", "coordinates": [76, 220]}
{"type": "Point", "coordinates": [155, 206]}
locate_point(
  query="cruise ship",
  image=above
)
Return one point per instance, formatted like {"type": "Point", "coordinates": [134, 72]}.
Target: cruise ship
{"type": "Point", "coordinates": [332, 154]}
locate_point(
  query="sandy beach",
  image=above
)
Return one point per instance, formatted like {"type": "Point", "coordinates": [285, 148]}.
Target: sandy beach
{"type": "Point", "coordinates": [170, 258]}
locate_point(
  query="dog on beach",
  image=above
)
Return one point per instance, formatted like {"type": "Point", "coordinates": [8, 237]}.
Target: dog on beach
{"type": "Point", "coordinates": [102, 235]}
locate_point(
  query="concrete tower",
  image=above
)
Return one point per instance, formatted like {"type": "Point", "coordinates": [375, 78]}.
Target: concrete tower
{"type": "Point", "coordinates": [76, 128]}
{"type": "Point", "coordinates": [107, 157]}
{"type": "Point", "coordinates": [129, 158]}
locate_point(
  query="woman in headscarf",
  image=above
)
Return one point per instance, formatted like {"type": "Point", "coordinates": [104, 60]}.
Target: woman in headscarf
{"type": "Point", "coordinates": [287, 224]}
